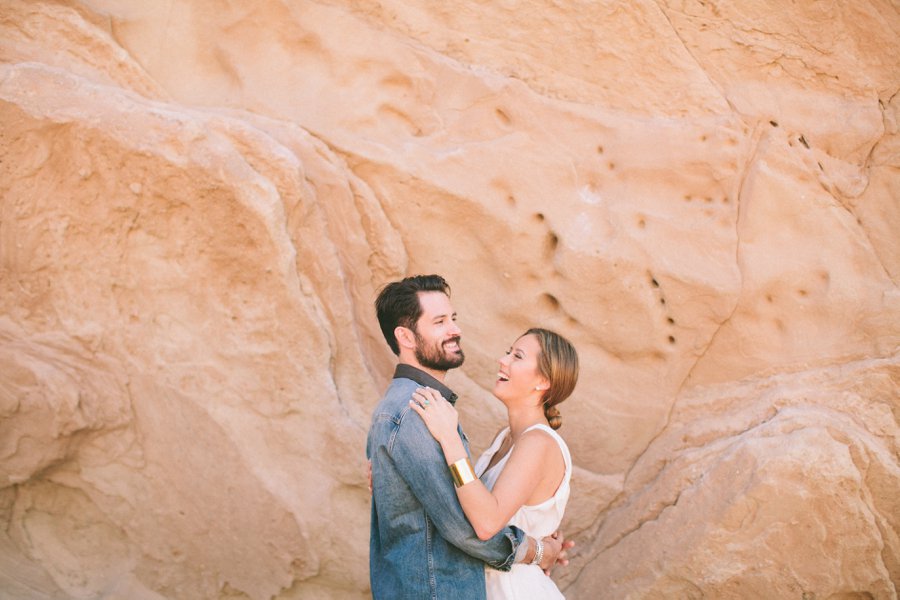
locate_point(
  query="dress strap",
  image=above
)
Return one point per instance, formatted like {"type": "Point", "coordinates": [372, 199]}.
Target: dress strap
{"type": "Point", "coordinates": [501, 435]}
{"type": "Point", "coordinates": [481, 465]}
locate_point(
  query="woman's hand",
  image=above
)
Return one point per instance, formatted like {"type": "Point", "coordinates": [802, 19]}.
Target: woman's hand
{"type": "Point", "coordinates": [439, 415]}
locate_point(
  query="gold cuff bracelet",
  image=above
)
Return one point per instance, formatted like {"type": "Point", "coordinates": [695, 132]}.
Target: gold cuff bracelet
{"type": "Point", "coordinates": [462, 472]}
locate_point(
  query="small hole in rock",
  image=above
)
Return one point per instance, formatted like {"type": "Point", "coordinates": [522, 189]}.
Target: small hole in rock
{"type": "Point", "coordinates": [552, 241]}
{"type": "Point", "coordinates": [551, 300]}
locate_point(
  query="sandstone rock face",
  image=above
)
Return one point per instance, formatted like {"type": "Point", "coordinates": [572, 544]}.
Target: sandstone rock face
{"type": "Point", "coordinates": [199, 201]}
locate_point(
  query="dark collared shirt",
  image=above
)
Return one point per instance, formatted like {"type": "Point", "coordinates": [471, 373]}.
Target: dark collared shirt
{"type": "Point", "coordinates": [404, 371]}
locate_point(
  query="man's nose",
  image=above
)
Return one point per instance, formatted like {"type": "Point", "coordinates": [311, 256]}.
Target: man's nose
{"type": "Point", "coordinates": [454, 328]}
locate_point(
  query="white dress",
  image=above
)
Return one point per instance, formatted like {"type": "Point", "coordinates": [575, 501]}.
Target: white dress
{"type": "Point", "coordinates": [526, 582]}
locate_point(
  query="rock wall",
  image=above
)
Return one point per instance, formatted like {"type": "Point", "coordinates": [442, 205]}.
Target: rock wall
{"type": "Point", "coordinates": [199, 201]}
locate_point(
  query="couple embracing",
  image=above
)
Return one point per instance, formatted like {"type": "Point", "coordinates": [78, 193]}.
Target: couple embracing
{"type": "Point", "coordinates": [437, 520]}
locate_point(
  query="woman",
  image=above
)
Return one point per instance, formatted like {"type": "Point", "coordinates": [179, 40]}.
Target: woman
{"type": "Point", "coordinates": [524, 475]}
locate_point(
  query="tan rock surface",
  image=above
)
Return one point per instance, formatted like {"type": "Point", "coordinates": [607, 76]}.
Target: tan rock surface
{"type": "Point", "coordinates": [199, 201]}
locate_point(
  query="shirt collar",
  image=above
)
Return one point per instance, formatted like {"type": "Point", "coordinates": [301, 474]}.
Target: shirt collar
{"type": "Point", "coordinates": [405, 371]}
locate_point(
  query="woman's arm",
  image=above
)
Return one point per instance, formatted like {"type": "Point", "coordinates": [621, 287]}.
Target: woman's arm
{"type": "Point", "coordinates": [488, 511]}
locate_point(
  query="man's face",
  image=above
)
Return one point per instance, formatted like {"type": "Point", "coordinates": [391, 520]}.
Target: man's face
{"type": "Point", "coordinates": [437, 335]}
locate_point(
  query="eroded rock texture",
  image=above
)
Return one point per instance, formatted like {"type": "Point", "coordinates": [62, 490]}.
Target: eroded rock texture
{"type": "Point", "coordinates": [201, 199]}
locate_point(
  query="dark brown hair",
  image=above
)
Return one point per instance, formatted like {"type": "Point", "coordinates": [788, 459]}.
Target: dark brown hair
{"type": "Point", "coordinates": [398, 304]}
{"type": "Point", "coordinates": [558, 362]}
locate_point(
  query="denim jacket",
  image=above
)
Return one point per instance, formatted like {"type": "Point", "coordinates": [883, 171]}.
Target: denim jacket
{"type": "Point", "coordinates": [421, 545]}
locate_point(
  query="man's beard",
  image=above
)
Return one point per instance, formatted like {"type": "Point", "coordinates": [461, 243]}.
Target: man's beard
{"type": "Point", "coordinates": [435, 357]}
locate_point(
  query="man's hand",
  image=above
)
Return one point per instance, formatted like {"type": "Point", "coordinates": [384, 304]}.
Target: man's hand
{"type": "Point", "coordinates": [370, 476]}
{"type": "Point", "coordinates": [555, 551]}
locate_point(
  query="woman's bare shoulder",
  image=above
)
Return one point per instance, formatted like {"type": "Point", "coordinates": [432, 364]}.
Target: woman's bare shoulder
{"type": "Point", "coordinates": [539, 441]}
{"type": "Point", "coordinates": [543, 433]}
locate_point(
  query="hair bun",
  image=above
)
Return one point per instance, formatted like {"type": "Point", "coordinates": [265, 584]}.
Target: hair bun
{"type": "Point", "coordinates": [553, 417]}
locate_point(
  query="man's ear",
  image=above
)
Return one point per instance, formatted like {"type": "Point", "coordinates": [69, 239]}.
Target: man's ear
{"type": "Point", "coordinates": [405, 337]}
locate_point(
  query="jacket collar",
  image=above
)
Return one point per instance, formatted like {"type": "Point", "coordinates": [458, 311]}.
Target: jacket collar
{"type": "Point", "coordinates": [405, 371]}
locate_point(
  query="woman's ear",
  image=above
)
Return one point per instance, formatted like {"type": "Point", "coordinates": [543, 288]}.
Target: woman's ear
{"type": "Point", "coordinates": [405, 337]}
{"type": "Point", "coordinates": [543, 385]}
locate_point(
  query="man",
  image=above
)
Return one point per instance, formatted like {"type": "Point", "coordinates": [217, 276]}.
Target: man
{"type": "Point", "coordinates": [422, 545]}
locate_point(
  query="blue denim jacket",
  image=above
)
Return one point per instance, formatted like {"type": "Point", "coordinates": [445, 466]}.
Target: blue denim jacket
{"type": "Point", "coordinates": [421, 545]}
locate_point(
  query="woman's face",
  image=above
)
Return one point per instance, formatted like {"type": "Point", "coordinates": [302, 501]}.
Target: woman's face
{"type": "Point", "coordinates": [518, 375]}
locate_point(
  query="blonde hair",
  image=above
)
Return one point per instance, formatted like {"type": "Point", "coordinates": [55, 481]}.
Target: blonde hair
{"type": "Point", "coordinates": [558, 362]}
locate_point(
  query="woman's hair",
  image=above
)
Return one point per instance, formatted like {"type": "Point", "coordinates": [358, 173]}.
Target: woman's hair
{"type": "Point", "coordinates": [398, 304]}
{"type": "Point", "coordinates": [558, 362]}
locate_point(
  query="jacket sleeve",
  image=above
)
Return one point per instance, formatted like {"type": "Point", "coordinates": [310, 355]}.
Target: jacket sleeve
{"type": "Point", "coordinates": [420, 462]}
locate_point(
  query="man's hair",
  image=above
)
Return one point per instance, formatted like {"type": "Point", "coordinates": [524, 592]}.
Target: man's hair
{"type": "Point", "coordinates": [398, 304]}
